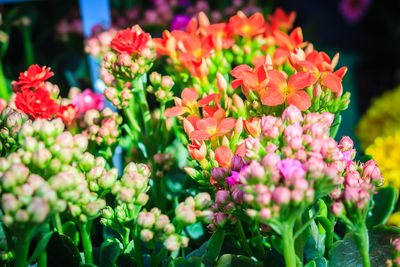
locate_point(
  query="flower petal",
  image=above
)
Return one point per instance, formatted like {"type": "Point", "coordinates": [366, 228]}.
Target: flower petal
{"type": "Point", "coordinates": [206, 100]}
{"type": "Point", "coordinates": [225, 126]}
{"type": "Point", "coordinates": [189, 95]}
{"type": "Point", "coordinates": [333, 82]}
{"type": "Point", "coordinates": [301, 80]}
{"type": "Point", "coordinates": [174, 111]}
{"type": "Point", "coordinates": [199, 135]}
{"type": "Point", "coordinates": [272, 97]}
{"type": "Point", "coordinates": [300, 99]}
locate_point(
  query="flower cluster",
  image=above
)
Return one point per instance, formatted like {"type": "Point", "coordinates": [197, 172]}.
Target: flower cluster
{"type": "Point", "coordinates": [11, 121]}
{"type": "Point", "coordinates": [99, 42]}
{"type": "Point", "coordinates": [101, 127]}
{"type": "Point", "coordinates": [380, 118]}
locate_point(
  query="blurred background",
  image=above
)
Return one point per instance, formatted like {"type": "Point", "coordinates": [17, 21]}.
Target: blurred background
{"type": "Point", "coordinates": [366, 33]}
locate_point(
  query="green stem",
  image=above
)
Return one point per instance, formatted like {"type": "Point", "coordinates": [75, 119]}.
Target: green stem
{"type": "Point", "coordinates": [214, 246]}
{"type": "Point", "coordinates": [125, 236]}
{"type": "Point", "coordinates": [259, 246]}
{"type": "Point", "coordinates": [21, 251]}
{"type": "Point", "coordinates": [86, 242]}
{"type": "Point", "coordinates": [58, 223]}
{"type": "Point", "coordinates": [4, 93]}
{"type": "Point", "coordinates": [299, 240]}
{"type": "Point", "coordinates": [132, 121]}
{"type": "Point", "coordinates": [42, 259]}
{"type": "Point", "coordinates": [243, 239]}
{"type": "Point", "coordinates": [138, 248]}
{"type": "Point", "coordinates": [362, 241]}
{"type": "Point", "coordinates": [27, 45]}
{"type": "Point", "coordinates": [144, 106]}
{"type": "Point", "coordinates": [160, 193]}
{"type": "Point", "coordinates": [289, 252]}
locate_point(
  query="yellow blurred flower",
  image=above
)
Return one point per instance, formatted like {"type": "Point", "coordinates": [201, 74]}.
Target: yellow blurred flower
{"type": "Point", "coordinates": [381, 119]}
{"type": "Point", "coordinates": [394, 219]}
{"type": "Point", "coordinates": [386, 152]}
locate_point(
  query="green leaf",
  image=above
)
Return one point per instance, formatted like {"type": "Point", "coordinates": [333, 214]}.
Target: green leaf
{"type": "Point", "coordinates": [345, 252]}
{"type": "Point", "coordinates": [228, 260]}
{"type": "Point", "coordinates": [61, 249]}
{"type": "Point", "coordinates": [42, 244]}
{"type": "Point", "coordinates": [182, 262]}
{"type": "Point", "coordinates": [384, 204]}
{"type": "Point", "coordinates": [311, 264]}
{"type": "Point", "coordinates": [214, 246]}
{"type": "Point", "coordinates": [365, 158]}
{"type": "Point", "coordinates": [125, 260]}
{"type": "Point", "coordinates": [276, 243]}
{"type": "Point", "coordinates": [70, 230]}
{"type": "Point", "coordinates": [195, 230]}
{"type": "Point", "coordinates": [109, 253]}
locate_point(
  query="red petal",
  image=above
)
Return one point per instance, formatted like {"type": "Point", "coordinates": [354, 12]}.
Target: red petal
{"type": "Point", "coordinates": [333, 82]}
{"type": "Point", "coordinates": [223, 155]}
{"type": "Point", "coordinates": [276, 79]}
{"type": "Point", "coordinates": [341, 72]}
{"type": "Point", "coordinates": [301, 80]}
{"type": "Point", "coordinates": [225, 126]}
{"type": "Point", "coordinates": [272, 97]}
{"type": "Point", "coordinates": [199, 135]}
{"type": "Point", "coordinates": [189, 95]}
{"type": "Point", "coordinates": [207, 124]}
{"type": "Point", "coordinates": [174, 111]}
{"type": "Point", "coordinates": [237, 72]}
{"type": "Point", "coordinates": [300, 99]}
{"type": "Point", "coordinates": [241, 150]}
{"type": "Point", "coordinates": [206, 100]}
{"type": "Point", "coordinates": [236, 83]}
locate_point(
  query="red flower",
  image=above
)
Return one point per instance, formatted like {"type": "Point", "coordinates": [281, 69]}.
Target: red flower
{"type": "Point", "coordinates": [37, 104]}
{"type": "Point", "coordinates": [280, 90]}
{"type": "Point", "coordinates": [210, 127]}
{"type": "Point", "coordinates": [197, 150]}
{"type": "Point", "coordinates": [282, 21]}
{"type": "Point", "coordinates": [67, 113]}
{"type": "Point", "coordinates": [247, 27]}
{"type": "Point", "coordinates": [130, 40]}
{"type": "Point", "coordinates": [33, 78]}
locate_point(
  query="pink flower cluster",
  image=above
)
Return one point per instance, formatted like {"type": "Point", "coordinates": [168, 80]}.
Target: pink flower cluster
{"type": "Point", "coordinates": [293, 161]}
{"type": "Point", "coordinates": [99, 42]}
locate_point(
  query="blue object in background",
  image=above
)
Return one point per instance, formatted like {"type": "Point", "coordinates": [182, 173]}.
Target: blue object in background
{"type": "Point", "coordinates": [97, 12]}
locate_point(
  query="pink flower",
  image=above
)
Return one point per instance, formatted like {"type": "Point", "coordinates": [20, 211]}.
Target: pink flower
{"type": "Point", "coordinates": [88, 100]}
{"type": "Point", "coordinates": [290, 167]}
{"type": "Point", "coordinates": [353, 10]}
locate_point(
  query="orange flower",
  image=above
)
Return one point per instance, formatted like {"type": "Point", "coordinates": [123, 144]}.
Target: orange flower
{"type": "Point", "coordinates": [193, 47]}
{"type": "Point", "coordinates": [286, 44]}
{"type": "Point", "coordinates": [210, 127]}
{"type": "Point", "coordinates": [251, 79]}
{"type": "Point", "coordinates": [252, 126]}
{"type": "Point", "coordinates": [282, 21]}
{"type": "Point", "coordinates": [188, 103]}
{"type": "Point", "coordinates": [280, 90]}
{"type": "Point", "coordinates": [333, 80]}
{"type": "Point", "coordinates": [223, 155]}
{"type": "Point", "coordinates": [67, 113]}
{"type": "Point", "coordinates": [247, 27]}
{"type": "Point", "coordinates": [197, 150]}
{"type": "Point", "coordinates": [166, 45]}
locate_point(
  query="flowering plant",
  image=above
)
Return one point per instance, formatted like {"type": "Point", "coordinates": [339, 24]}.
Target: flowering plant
{"type": "Point", "coordinates": [254, 115]}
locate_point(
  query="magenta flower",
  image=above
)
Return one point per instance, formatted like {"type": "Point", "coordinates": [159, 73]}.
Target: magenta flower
{"type": "Point", "coordinates": [353, 10]}
{"type": "Point", "coordinates": [88, 100]}
{"type": "Point", "coordinates": [289, 167]}
{"type": "Point", "coordinates": [179, 22]}
{"type": "Point", "coordinates": [235, 176]}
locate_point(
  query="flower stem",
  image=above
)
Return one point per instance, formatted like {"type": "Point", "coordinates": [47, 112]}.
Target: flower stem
{"type": "Point", "coordinates": [138, 248]}
{"type": "Point", "coordinates": [21, 251]}
{"type": "Point", "coordinates": [362, 241]}
{"type": "Point", "coordinates": [42, 259]}
{"type": "Point", "coordinates": [289, 252]}
{"type": "Point", "coordinates": [125, 236]}
{"type": "Point", "coordinates": [58, 223]}
{"type": "Point", "coordinates": [299, 240]}
{"type": "Point", "coordinates": [4, 93]}
{"type": "Point", "coordinates": [214, 246]}
{"type": "Point", "coordinates": [86, 242]}
{"type": "Point", "coordinates": [243, 239]}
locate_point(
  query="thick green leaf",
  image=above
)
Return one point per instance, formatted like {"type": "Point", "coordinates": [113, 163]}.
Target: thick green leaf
{"type": "Point", "coordinates": [42, 244]}
{"type": "Point", "coordinates": [195, 230]}
{"type": "Point", "coordinates": [69, 229]}
{"type": "Point", "coordinates": [182, 262]}
{"type": "Point", "coordinates": [321, 262]}
{"type": "Point", "coordinates": [345, 252]}
{"type": "Point", "coordinates": [214, 246]}
{"type": "Point", "coordinates": [384, 204]}
{"type": "Point", "coordinates": [109, 253]}
{"type": "Point", "coordinates": [311, 264]}
{"type": "Point", "coordinates": [61, 249]}
{"type": "Point", "coordinates": [228, 260]}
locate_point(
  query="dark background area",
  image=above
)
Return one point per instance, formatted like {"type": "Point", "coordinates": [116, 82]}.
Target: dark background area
{"type": "Point", "coordinates": [369, 47]}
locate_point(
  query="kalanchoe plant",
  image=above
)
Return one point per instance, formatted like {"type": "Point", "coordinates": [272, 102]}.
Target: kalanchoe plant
{"type": "Point", "coordinates": [256, 110]}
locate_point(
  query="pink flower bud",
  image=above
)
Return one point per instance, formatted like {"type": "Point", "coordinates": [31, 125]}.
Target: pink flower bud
{"type": "Point", "coordinates": [352, 178]}
{"type": "Point", "coordinates": [38, 209]}
{"type": "Point", "coordinates": [237, 194]}
{"type": "Point", "coordinates": [292, 115]}
{"type": "Point", "coordinates": [337, 208]}
{"type": "Point", "coordinates": [146, 219]}
{"type": "Point", "coordinates": [185, 214]}
{"type": "Point", "coordinates": [293, 130]}
{"type": "Point", "coordinates": [271, 148]}
{"type": "Point", "coordinates": [220, 218]}
{"type": "Point", "coordinates": [146, 235]}
{"type": "Point", "coordinates": [221, 83]}
{"type": "Point", "coordinates": [172, 243]}
{"type": "Point", "coordinates": [237, 163]}
{"type": "Point", "coordinates": [296, 143]}
{"type": "Point", "coordinates": [300, 183]}
{"type": "Point", "coordinates": [124, 60]}
{"type": "Point", "coordinates": [351, 194]}
{"type": "Point", "coordinates": [346, 143]}
{"type": "Point", "coordinates": [265, 213]}
{"type": "Point", "coordinates": [271, 160]}
{"type": "Point", "coordinates": [297, 196]}
{"type": "Point", "coordinates": [371, 171]}
{"type": "Point", "coordinates": [281, 195]}
{"type": "Point", "coordinates": [161, 222]}
{"type": "Point", "coordinates": [264, 198]}
{"type": "Point", "coordinates": [221, 196]}
{"type": "Point", "coordinates": [167, 82]}
{"type": "Point", "coordinates": [255, 170]}
{"type": "Point", "coordinates": [202, 200]}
